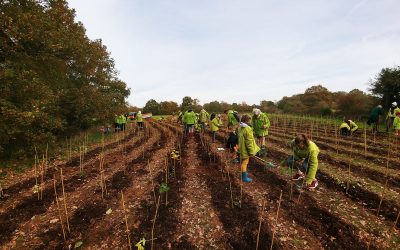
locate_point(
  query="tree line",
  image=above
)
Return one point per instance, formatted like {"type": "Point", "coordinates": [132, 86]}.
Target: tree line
{"type": "Point", "coordinates": [316, 100]}
{"type": "Point", "coordinates": [54, 80]}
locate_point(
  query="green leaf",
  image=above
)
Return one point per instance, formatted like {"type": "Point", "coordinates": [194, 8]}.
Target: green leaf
{"type": "Point", "coordinates": [78, 244]}
{"type": "Point", "coordinates": [109, 211]}
{"type": "Point", "coordinates": [163, 188]}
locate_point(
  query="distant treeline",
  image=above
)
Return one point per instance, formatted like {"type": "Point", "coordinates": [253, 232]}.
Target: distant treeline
{"type": "Point", "coordinates": [316, 100]}
{"type": "Point", "coordinates": [54, 80]}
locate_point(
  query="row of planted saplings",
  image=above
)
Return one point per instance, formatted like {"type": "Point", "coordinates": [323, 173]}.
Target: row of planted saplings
{"type": "Point", "coordinates": [224, 169]}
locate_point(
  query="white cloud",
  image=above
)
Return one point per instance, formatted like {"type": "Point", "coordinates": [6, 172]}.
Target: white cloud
{"type": "Point", "coordinates": [243, 50]}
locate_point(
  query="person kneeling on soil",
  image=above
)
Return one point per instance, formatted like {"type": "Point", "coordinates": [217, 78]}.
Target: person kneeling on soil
{"type": "Point", "coordinates": [348, 128]}
{"type": "Point", "coordinates": [247, 145]}
{"type": "Point", "coordinates": [306, 151]}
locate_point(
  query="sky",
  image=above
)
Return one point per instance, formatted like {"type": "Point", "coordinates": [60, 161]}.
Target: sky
{"type": "Point", "coordinates": [243, 51]}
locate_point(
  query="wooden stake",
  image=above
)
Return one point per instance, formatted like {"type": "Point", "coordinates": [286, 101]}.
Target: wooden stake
{"type": "Point", "coordinates": [397, 219]}
{"type": "Point", "coordinates": [259, 225]}
{"type": "Point", "coordinates": [58, 206]}
{"type": "Point", "coordinates": [365, 142]}
{"type": "Point", "coordinates": [65, 201]}
{"type": "Point", "coordinates": [276, 221]}
{"type": "Point", "coordinates": [166, 182]}
{"type": "Point", "coordinates": [348, 173]}
{"type": "Point", "coordinates": [154, 221]}
{"type": "Point", "coordinates": [126, 221]}
{"type": "Point", "coordinates": [152, 182]}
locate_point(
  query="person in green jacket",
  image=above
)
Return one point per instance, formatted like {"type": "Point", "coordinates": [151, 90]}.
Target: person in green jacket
{"type": "Point", "coordinates": [189, 120]}
{"type": "Point", "coordinates": [215, 123]}
{"type": "Point", "coordinates": [123, 121]}
{"type": "Point", "coordinates": [306, 152]}
{"type": "Point", "coordinates": [391, 116]}
{"type": "Point", "coordinates": [396, 124]}
{"type": "Point", "coordinates": [204, 117]}
{"type": "Point", "coordinates": [348, 128]}
{"type": "Point", "coordinates": [247, 145]}
{"type": "Point", "coordinates": [116, 123]}
{"type": "Point", "coordinates": [374, 117]}
{"type": "Point", "coordinates": [139, 119]}
{"type": "Point", "coordinates": [260, 124]}
{"type": "Point", "coordinates": [233, 119]}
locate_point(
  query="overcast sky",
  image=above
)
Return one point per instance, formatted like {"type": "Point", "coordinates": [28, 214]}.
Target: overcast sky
{"type": "Point", "coordinates": [244, 50]}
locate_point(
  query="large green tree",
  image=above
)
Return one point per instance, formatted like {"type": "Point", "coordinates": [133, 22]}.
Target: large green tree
{"type": "Point", "coordinates": [54, 80]}
{"type": "Point", "coordinates": [387, 86]}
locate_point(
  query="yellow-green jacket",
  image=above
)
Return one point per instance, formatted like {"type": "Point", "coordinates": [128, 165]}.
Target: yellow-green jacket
{"type": "Point", "coordinates": [247, 144]}
{"type": "Point", "coordinates": [392, 113]}
{"type": "Point", "coordinates": [353, 126]}
{"type": "Point", "coordinates": [215, 124]}
{"type": "Point", "coordinates": [189, 118]}
{"type": "Point", "coordinates": [204, 115]}
{"type": "Point", "coordinates": [344, 125]}
{"type": "Point", "coordinates": [231, 119]}
{"type": "Point", "coordinates": [396, 123]}
{"type": "Point", "coordinates": [312, 154]}
{"type": "Point", "coordinates": [258, 124]}
{"type": "Point", "coordinates": [123, 119]}
{"type": "Point", "coordinates": [139, 117]}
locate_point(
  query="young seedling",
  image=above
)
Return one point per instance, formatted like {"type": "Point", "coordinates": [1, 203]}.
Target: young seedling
{"type": "Point", "coordinates": [276, 221]}
{"type": "Point", "coordinates": [126, 221]}
{"type": "Point", "coordinates": [152, 182]}
{"type": "Point", "coordinates": [259, 225]}
{"type": "Point", "coordinates": [58, 207]}
{"type": "Point", "coordinates": [65, 200]}
{"type": "Point", "coordinates": [154, 221]}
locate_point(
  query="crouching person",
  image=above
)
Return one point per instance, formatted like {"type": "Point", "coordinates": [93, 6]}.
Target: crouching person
{"type": "Point", "coordinates": [305, 158]}
{"type": "Point", "coordinates": [247, 145]}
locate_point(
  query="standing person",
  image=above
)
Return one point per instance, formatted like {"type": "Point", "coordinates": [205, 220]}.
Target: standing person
{"type": "Point", "coordinates": [123, 122]}
{"type": "Point", "coordinates": [139, 119]}
{"type": "Point", "coordinates": [348, 128]}
{"type": "Point", "coordinates": [374, 117]}
{"type": "Point", "coordinates": [189, 120]}
{"type": "Point", "coordinates": [391, 115]}
{"type": "Point", "coordinates": [306, 152]}
{"type": "Point", "coordinates": [215, 123]}
{"type": "Point", "coordinates": [247, 145]}
{"type": "Point", "coordinates": [204, 117]}
{"type": "Point", "coordinates": [260, 123]}
{"type": "Point", "coordinates": [233, 119]}
{"type": "Point", "coordinates": [116, 123]}
{"type": "Point", "coordinates": [396, 124]}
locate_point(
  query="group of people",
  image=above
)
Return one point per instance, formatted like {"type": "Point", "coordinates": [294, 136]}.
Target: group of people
{"type": "Point", "coordinates": [247, 139]}
{"type": "Point", "coordinates": [392, 118]}
{"type": "Point", "coordinates": [121, 120]}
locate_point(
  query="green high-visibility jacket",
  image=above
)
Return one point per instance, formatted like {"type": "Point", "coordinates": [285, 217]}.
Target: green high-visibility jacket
{"type": "Point", "coordinates": [396, 123]}
{"type": "Point", "coordinates": [116, 119]}
{"type": "Point", "coordinates": [344, 125]}
{"type": "Point", "coordinates": [215, 124]}
{"type": "Point", "coordinates": [119, 119]}
{"type": "Point", "coordinates": [139, 117]}
{"type": "Point", "coordinates": [247, 144]}
{"type": "Point", "coordinates": [353, 126]}
{"type": "Point", "coordinates": [204, 115]}
{"type": "Point", "coordinates": [123, 119]}
{"type": "Point", "coordinates": [312, 154]}
{"type": "Point", "coordinates": [189, 118]}
{"type": "Point", "coordinates": [392, 112]}
{"type": "Point", "coordinates": [231, 119]}
{"type": "Point", "coordinates": [260, 124]}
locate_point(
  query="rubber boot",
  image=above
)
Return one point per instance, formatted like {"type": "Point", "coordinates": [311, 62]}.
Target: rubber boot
{"type": "Point", "coordinates": [245, 178]}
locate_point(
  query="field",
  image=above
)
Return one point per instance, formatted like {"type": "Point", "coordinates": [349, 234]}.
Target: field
{"type": "Point", "coordinates": [179, 193]}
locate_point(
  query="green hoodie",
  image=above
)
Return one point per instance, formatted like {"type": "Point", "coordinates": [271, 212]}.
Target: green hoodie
{"type": "Point", "coordinates": [204, 115]}
{"type": "Point", "coordinates": [215, 124]}
{"type": "Point", "coordinates": [139, 117]}
{"type": "Point", "coordinates": [189, 118]}
{"type": "Point", "coordinates": [258, 124]}
{"type": "Point", "coordinates": [231, 119]}
{"type": "Point", "coordinates": [312, 153]}
{"type": "Point", "coordinates": [247, 144]}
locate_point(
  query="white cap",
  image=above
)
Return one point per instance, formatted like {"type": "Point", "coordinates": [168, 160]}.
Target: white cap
{"type": "Point", "coordinates": [394, 103]}
{"type": "Point", "coordinates": [256, 111]}
{"type": "Point", "coordinates": [139, 112]}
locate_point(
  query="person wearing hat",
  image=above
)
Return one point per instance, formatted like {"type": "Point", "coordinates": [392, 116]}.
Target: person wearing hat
{"type": "Point", "coordinates": [391, 115]}
{"type": "Point", "coordinates": [247, 145]}
{"type": "Point", "coordinates": [260, 124]}
{"type": "Point", "coordinates": [373, 119]}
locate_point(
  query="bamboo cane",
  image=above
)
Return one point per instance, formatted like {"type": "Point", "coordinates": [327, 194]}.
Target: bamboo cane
{"type": "Point", "coordinates": [58, 206]}
{"type": "Point", "coordinates": [365, 142]}
{"type": "Point", "coordinates": [126, 221]}
{"type": "Point", "coordinates": [166, 182]}
{"type": "Point", "coordinates": [348, 173]}
{"type": "Point", "coordinates": [152, 182]}
{"type": "Point", "coordinates": [65, 201]}
{"type": "Point", "coordinates": [276, 221]}
{"type": "Point", "coordinates": [259, 225]}
{"type": "Point", "coordinates": [230, 184]}
{"type": "Point", "coordinates": [154, 221]}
